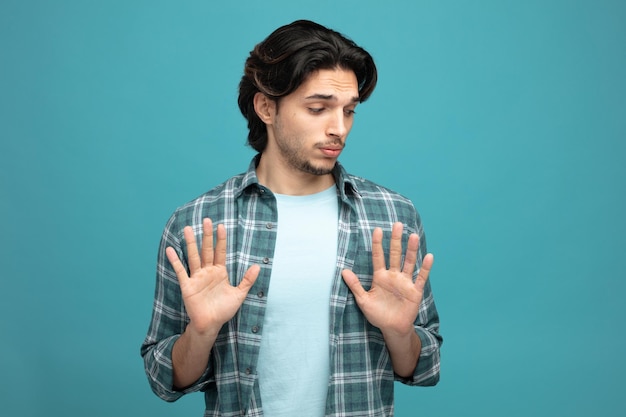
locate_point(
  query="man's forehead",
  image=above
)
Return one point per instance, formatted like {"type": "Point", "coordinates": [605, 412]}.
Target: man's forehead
{"type": "Point", "coordinates": [331, 85]}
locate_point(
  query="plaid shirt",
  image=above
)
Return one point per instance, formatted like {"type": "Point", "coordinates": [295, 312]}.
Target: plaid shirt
{"type": "Point", "coordinates": [361, 376]}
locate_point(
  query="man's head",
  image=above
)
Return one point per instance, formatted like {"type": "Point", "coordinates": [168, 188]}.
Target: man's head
{"type": "Point", "coordinates": [277, 66]}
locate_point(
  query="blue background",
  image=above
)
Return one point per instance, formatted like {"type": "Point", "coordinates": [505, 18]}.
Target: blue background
{"type": "Point", "coordinates": [504, 121]}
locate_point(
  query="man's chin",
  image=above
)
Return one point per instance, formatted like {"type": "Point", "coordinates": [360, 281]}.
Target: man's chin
{"type": "Point", "coordinates": [319, 169]}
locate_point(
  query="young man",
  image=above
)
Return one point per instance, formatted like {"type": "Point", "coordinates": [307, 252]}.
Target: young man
{"type": "Point", "coordinates": [286, 290]}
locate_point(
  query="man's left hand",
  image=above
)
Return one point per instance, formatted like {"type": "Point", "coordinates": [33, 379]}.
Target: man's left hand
{"type": "Point", "coordinates": [393, 301]}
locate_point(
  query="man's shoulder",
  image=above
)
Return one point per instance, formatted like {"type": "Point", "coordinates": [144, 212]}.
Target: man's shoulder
{"type": "Point", "coordinates": [377, 202]}
{"type": "Point", "coordinates": [217, 195]}
{"type": "Point", "coordinates": [224, 190]}
{"type": "Point", "coordinates": [369, 189]}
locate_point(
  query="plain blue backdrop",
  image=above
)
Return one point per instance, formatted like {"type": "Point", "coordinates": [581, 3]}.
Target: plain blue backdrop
{"type": "Point", "coordinates": [504, 122]}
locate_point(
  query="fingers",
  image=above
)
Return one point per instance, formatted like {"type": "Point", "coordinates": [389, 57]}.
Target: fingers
{"type": "Point", "coordinates": [395, 247]}
{"type": "Point", "coordinates": [207, 242]}
{"type": "Point", "coordinates": [427, 264]}
{"type": "Point", "coordinates": [378, 255]}
{"type": "Point", "coordinates": [249, 278]}
{"type": "Point", "coordinates": [220, 246]}
{"type": "Point", "coordinates": [410, 258]}
{"type": "Point", "coordinates": [192, 250]}
{"type": "Point", "coordinates": [352, 281]}
{"type": "Point", "coordinates": [177, 265]}
{"type": "Point", "coordinates": [395, 250]}
{"type": "Point", "coordinates": [210, 254]}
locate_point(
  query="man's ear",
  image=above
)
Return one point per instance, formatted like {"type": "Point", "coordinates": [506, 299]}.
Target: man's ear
{"type": "Point", "coordinates": [265, 108]}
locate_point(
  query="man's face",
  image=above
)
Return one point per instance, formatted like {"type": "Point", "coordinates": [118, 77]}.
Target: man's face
{"type": "Point", "coordinates": [312, 123]}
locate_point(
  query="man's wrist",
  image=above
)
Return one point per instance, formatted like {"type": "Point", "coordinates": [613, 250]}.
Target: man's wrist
{"type": "Point", "coordinates": [208, 332]}
{"type": "Point", "coordinates": [398, 333]}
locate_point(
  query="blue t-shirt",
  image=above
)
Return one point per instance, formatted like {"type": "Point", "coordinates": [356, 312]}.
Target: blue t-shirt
{"type": "Point", "coordinates": [293, 367]}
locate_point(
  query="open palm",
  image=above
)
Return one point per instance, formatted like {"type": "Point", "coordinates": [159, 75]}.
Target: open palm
{"type": "Point", "coordinates": [392, 303]}
{"type": "Point", "coordinates": [210, 299]}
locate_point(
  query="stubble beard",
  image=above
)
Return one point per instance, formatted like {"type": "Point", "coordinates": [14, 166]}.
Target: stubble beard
{"type": "Point", "coordinates": [309, 168]}
{"type": "Point", "coordinates": [297, 159]}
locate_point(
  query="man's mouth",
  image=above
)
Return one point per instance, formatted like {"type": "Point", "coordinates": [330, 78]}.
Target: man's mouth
{"type": "Point", "coordinates": [332, 152]}
{"type": "Point", "coordinates": [332, 149]}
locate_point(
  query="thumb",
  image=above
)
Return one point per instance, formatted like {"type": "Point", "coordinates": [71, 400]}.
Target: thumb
{"type": "Point", "coordinates": [352, 281]}
{"type": "Point", "coordinates": [249, 278]}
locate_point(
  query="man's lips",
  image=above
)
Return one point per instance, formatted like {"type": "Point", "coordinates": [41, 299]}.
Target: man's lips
{"type": "Point", "coordinates": [332, 151]}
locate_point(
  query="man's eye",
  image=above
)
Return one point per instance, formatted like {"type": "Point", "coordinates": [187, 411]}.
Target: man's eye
{"type": "Point", "coordinates": [349, 112]}
{"type": "Point", "coordinates": [316, 109]}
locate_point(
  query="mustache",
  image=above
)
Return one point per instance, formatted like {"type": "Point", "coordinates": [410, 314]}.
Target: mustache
{"type": "Point", "coordinates": [334, 143]}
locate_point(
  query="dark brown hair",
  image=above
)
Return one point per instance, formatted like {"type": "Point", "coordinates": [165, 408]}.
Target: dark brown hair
{"type": "Point", "coordinates": [284, 60]}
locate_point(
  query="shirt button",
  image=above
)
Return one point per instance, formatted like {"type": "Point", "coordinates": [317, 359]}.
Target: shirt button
{"type": "Point", "coordinates": [266, 260]}
{"type": "Point", "coordinates": [255, 329]}
{"type": "Point", "coordinates": [269, 225]}
{"type": "Point", "coordinates": [248, 371]}
{"type": "Point", "coordinates": [260, 294]}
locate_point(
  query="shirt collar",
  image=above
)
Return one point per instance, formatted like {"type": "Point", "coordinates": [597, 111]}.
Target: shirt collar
{"type": "Point", "coordinates": [346, 184]}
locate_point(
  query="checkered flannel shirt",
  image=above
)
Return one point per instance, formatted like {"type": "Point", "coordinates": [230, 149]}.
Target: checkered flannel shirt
{"type": "Point", "coordinates": [361, 376]}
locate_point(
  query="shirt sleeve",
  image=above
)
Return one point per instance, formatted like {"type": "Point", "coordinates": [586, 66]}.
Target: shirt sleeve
{"type": "Point", "coordinates": [168, 322]}
{"type": "Point", "coordinates": [427, 328]}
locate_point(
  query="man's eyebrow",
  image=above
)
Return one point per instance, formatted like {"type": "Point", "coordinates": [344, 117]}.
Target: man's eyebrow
{"type": "Point", "coordinates": [332, 97]}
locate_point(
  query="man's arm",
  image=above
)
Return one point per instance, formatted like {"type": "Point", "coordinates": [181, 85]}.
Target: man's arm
{"type": "Point", "coordinates": [210, 301]}
{"type": "Point", "coordinates": [190, 356]}
{"type": "Point", "coordinates": [404, 350]}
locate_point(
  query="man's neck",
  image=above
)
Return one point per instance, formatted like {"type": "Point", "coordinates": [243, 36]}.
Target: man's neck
{"type": "Point", "coordinates": [283, 180]}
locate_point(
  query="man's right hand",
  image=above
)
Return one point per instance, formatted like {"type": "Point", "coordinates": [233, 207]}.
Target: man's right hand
{"type": "Point", "coordinates": [210, 299]}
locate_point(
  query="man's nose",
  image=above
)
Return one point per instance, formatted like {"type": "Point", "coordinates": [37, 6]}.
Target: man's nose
{"type": "Point", "coordinates": [337, 125]}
